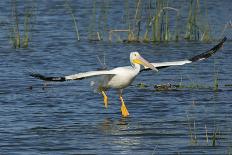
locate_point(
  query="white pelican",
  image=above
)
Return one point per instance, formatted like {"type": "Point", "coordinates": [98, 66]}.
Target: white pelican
{"type": "Point", "coordinates": [121, 77]}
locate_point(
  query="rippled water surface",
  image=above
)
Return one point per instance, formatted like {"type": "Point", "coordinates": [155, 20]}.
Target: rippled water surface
{"type": "Point", "coordinates": [69, 118]}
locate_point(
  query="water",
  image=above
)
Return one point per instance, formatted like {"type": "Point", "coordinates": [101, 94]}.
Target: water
{"type": "Point", "coordinates": [68, 118]}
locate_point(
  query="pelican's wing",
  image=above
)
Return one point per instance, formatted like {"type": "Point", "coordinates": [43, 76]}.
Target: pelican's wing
{"type": "Point", "coordinates": [199, 57]}
{"type": "Point", "coordinates": [78, 76]}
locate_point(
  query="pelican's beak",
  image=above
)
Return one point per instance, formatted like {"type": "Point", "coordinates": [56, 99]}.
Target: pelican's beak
{"type": "Point", "coordinates": [140, 60]}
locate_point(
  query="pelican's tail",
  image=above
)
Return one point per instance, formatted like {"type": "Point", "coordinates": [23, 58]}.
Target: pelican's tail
{"type": "Point", "coordinates": [46, 78]}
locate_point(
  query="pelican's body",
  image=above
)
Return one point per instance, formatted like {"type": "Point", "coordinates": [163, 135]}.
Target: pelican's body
{"type": "Point", "coordinates": [124, 76]}
{"type": "Point", "coordinates": [121, 77]}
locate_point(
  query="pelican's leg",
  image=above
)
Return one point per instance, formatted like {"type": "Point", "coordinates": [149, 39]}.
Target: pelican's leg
{"type": "Point", "coordinates": [105, 98]}
{"type": "Point", "coordinates": [124, 110]}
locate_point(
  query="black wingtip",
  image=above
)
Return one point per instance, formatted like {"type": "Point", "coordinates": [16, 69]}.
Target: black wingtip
{"type": "Point", "coordinates": [38, 76]}
{"type": "Point", "coordinates": [208, 53]}
{"type": "Point", "coordinates": [42, 77]}
{"type": "Point", "coordinates": [224, 39]}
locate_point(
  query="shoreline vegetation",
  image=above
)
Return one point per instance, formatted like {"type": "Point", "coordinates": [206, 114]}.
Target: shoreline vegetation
{"type": "Point", "coordinates": [154, 21]}
{"type": "Point", "coordinates": [149, 21]}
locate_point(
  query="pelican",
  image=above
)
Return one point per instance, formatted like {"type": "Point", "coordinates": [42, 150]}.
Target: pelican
{"type": "Point", "coordinates": [121, 77]}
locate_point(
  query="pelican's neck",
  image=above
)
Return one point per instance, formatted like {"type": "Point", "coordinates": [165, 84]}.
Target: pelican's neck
{"type": "Point", "coordinates": [136, 67]}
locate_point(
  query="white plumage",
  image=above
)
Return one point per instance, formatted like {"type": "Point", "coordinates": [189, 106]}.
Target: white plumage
{"type": "Point", "coordinates": [121, 77]}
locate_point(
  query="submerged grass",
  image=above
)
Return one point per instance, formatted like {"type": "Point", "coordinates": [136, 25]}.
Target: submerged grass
{"type": "Point", "coordinates": [181, 86]}
{"type": "Point", "coordinates": [216, 82]}
{"type": "Point", "coordinates": [192, 131]}
{"type": "Point", "coordinates": [209, 137]}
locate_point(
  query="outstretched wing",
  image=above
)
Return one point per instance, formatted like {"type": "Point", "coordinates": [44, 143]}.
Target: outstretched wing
{"type": "Point", "coordinates": [199, 57]}
{"type": "Point", "coordinates": [78, 76]}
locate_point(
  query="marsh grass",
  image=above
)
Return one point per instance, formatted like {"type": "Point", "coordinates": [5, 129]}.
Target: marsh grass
{"type": "Point", "coordinates": [98, 24]}
{"type": "Point", "coordinates": [92, 26]}
{"type": "Point", "coordinates": [150, 21]}
{"type": "Point", "coordinates": [103, 19]}
{"type": "Point", "coordinates": [181, 86]}
{"type": "Point", "coordinates": [15, 33]}
{"type": "Point", "coordinates": [71, 12]}
{"type": "Point", "coordinates": [197, 27]}
{"type": "Point", "coordinates": [214, 138]}
{"type": "Point", "coordinates": [194, 86]}
{"type": "Point", "coordinates": [21, 38]}
{"type": "Point", "coordinates": [210, 137]}
{"type": "Point", "coordinates": [142, 85]}
{"type": "Point", "coordinates": [192, 131]}
{"type": "Point", "coordinates": [216, 82]}
{"type": "Point", "coordinates": [192, 30]}
{"type": "Point", "coordinates": [27, 28]}
{"type": "Point", "coordinates": [206, 135]}
{"type": "Point", "coordinates": [157, 25]}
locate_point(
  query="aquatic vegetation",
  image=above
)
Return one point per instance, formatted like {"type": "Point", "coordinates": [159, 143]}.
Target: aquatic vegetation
{"type": "Point", "coordinates": [227, 27]}
{"type": "Point", "coordinates": [192, 30]}
{"type": "Point", "coordinates": [193, 134]}
{"type": "Point", "coordinates": [184, 87]}
{"type": "Point", "coordinates": [142, 21]}
{"type": "Point", "coordinates": [161, 23]}
{"type": "Point", "coordinates": [142, 85]}
{"type": "Point", "coordinates": [17, 40]}
{"type": "Point", "coordinates": [15, 34]}
{"type": "Point", "coordinates": [180, 86]}
{"type": "Point", "coordinates": [216, 83]}
{"type": "Point", "coordinates": [215, 137]}
{"type": "Point", "coordinates": [69, 8]}
{"type": "Point", "coordinates": [158, 24]}
{"type": "Point", "coordinates": [192, 130]}
{"type": "Point", "coordinates": [197, 26]}
{"type": "Point", "coordinates": [206, 135]}
{"type": "Point", "coordinates": [193, 86]}
{"type": "Point", "coordinates": [164, 87]}
{"type": "Point", "coordinates": [92, 26]}
{"type": "Point", "coordinates": [98, 27]}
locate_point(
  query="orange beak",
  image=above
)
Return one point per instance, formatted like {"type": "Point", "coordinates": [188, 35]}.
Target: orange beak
{"type": "Point", "coordinates": [140, 60]}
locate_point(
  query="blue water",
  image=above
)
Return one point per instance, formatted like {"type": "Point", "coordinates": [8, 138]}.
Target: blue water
{"type": "Point", "coordinates": [69, 118]}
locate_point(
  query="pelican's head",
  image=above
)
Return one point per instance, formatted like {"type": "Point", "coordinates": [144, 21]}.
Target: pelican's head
{"type": "Point", "coordinates": [135, 58]}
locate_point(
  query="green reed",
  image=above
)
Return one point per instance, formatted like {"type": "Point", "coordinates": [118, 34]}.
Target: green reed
{"type": "Point", "coordinates": [69, 8]}
{"type": "Point", "coordinates": [103, 17]}
{"type": "Point", "coordinates": [16, 39]}
{"type": "Point", "coordinates": [148, 21]}
{"type": "Point", "coordinates": [216, 83]}
{"type": "Point", "coordinates": [15, 34]}
{"type": "Point", "coordinates": [92, 25]}
{"type": "Point", "coordinates": [192, 30]}
{"type": "Point", "coordinates": [197, 27]}
{"type": "Point", "coordinates": [192, 130]}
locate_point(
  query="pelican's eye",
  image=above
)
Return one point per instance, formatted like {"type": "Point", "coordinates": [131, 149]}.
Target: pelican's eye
{"type": "Point", "coordinates": [135, 54]}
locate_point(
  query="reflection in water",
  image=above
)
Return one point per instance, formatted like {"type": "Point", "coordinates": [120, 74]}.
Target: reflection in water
{"type": "Point", "coordinates": [113, 127]}
{"type": "Point", "coordinates": [124, 138]}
